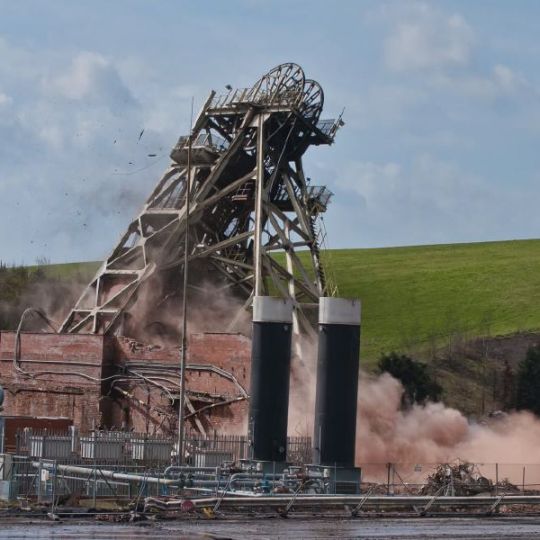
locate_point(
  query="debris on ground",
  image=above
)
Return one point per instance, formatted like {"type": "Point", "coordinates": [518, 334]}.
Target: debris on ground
{"type": "Point", "coordinates": [461, 478]}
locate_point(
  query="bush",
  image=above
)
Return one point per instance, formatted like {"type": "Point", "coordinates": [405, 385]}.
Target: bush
{"type": "Point", "coordinates": [18, 290]}
{"type": "Point", "coordinates": [528, 382]}
{"type": "Point", "coordinates": [419, 386]}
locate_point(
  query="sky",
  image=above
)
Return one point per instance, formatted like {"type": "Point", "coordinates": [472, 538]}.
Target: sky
{"type": "Point", "coordinates": [442, 113]}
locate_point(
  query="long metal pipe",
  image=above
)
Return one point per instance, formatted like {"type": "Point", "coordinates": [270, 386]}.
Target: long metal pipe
{"type": "Point", "coordinates": [90, 471]}
{"type": "Point", "coordinates": [186, 468]}
{"type": "Point", "coordinates": [253, 499]}
{"type": "Point", "coordinates": [341, 500]}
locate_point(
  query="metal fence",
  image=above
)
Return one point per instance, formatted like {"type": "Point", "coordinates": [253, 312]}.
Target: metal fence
{"type": "Point", "coordinates": [209, 452]}
{"type": "Point", "coordinates": [97, 446]}
{"type": "Point", "coordinates": [27, 478]}
{"type": "Point", "coordinates": [46, 481]}
{"type": "Point", "coordinates": [52, 466]}
{"type": "Point", "coordinates": [128, 448]}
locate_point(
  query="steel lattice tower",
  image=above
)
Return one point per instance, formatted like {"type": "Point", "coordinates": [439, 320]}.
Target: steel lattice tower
{"type": "Point", "coordinates": [249, 200]}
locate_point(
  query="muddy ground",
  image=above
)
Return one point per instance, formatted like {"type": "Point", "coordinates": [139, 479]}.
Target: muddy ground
{"type": "Point", "coordinates": [297, 528]}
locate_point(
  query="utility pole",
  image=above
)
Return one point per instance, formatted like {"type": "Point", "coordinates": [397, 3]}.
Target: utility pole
{"type": "Point", "coordinates": [183, 347]}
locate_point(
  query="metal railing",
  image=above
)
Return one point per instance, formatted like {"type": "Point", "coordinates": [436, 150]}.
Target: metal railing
{"type": "Point", "coordinates": [204, 140]}
{"type": "Point", "coordinates": [330, 126]}
{"type": "Point", "coordinates": [320, 196]}
{"type": "Point", "coordinates": [282, 98]}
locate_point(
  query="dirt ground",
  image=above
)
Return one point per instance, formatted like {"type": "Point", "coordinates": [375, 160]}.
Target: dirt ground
{"type": "Point", "coordinates": [277, 528]}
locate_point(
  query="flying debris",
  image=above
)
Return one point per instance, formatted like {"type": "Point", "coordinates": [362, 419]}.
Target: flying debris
{"type": "Point", "coordinates": [141, 134]}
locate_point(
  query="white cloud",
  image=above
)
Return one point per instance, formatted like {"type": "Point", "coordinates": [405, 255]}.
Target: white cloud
{"type": "Point", "coordinates": [508, 80]}
{"type": "Point", "coordinates": [382, 104]}
{"type": "Point", "coordinates": [5, 100]}
{"type": "Point", "coordinates": [73, 120]}
{"type": "Point", "coordinates": [436, 48]}
{"type": "Point", "coordinates": [502, 81]}
{"type": "Point", "coordinates": [428, 201]}
{"type": "Point", "coordinates": [52, 135]}
{"type": "Point", "coordinates": [90, 77]}
{"type": "Point", "coordinates": [82, 121]}
{"type": "Point", "coordinates": [424, 38]}
{"type": "Point", "coordinates": [365, 178]}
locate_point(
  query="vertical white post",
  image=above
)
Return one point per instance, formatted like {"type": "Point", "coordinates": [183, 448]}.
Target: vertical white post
{"type": "Point", "coordinates": [258, 207]}
{"type": "Point", "coordinates": [292, 294]}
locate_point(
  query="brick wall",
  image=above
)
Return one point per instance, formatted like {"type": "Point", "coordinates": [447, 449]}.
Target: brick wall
{"type": "Point", "coordinates": [150, 408]}
{"type": "Point", "coordinates": [61, 377]}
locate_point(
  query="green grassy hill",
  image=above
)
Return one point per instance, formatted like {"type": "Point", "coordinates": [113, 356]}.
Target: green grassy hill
{"type": "Point", "coordinates": [83, 271]}
{"type": "Point", "coordinates": [418, 298]}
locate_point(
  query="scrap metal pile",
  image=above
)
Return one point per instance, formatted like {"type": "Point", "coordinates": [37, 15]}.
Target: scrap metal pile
{"type": "Point", "coordinates": [461, 478]}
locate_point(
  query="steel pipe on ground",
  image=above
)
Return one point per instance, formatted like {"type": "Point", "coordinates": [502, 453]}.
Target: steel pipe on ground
{"type": "Point", "coordinates": [352, 500]}
{"type": "Point", "coordinates": [89, 472]}
{"type": "Point", "coordinates": [187, 469]}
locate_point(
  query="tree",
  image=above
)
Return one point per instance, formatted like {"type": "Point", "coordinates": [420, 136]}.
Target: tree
{"type": "Point", "coordinates": [419, 386]}
{"type": "Point", "coordinates": [508, 387]}
{"type": "Point", "coordinates": [528, 381]}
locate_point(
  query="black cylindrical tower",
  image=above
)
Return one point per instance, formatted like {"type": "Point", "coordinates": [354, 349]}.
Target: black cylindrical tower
{"type": "Point", "coordinates": [270, 366]}
{"type": "Point", "coordinates": [337, 382]}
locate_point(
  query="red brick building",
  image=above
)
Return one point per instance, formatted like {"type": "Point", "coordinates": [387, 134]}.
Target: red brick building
{"type": "Point", "coordinates": [109, 381]}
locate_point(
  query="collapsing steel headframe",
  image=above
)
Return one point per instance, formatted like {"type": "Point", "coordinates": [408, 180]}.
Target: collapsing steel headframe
{"type": "Point", "coordinates": [249, 199]}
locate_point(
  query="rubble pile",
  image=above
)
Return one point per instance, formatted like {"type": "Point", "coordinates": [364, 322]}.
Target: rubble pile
{"type": "Point", "coordinates": [461, 478]}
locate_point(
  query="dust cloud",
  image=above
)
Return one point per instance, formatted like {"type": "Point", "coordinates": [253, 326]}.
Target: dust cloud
{"type": "Point", "coordinates": [430, 433]}
{"type": "Point", "coordinates": [157, 315]}
{"type": "Point", "coordinates": [434, 433]}
{"type": "Point", "coordinates": [303, 382]}
{"type": "Point", "coordinates": [52, 297]}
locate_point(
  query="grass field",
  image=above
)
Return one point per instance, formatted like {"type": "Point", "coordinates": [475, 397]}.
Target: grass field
{"type": "Point", "coordinates": [84, 270]}
{"type": "Point", "coordinates": [414, 298]}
